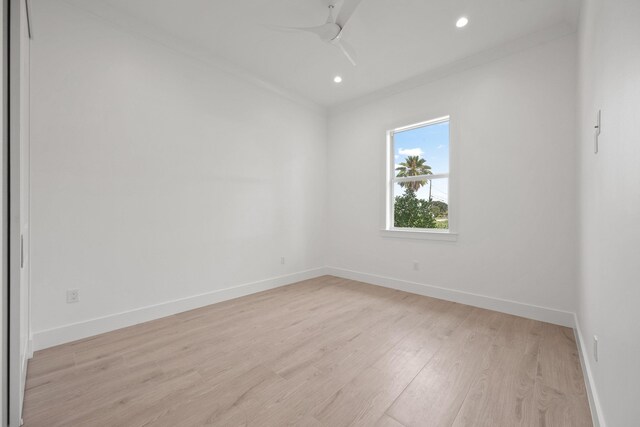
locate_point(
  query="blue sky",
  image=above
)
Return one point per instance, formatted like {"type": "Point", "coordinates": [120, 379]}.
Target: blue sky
{"type": "Point", "coordinates": [431, 143]}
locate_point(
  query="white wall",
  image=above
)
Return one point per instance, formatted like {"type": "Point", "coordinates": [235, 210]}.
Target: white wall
{"type": "Point", "coordinates": [610, 204]}
{"type": "Point", "coordinates": [513, 178]}
{"type": "Point", "coordinates": [157, 177]}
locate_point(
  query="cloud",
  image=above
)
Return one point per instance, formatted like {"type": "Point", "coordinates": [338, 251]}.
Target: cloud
{"type": "Point", "coordinates": [411, 151]}
{"type": "Point", "coordinates": [440, 146]}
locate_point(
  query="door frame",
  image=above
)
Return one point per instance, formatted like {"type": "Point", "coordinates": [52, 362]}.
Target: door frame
{"type": "Point", "coordinates": [4, 219]}
{"type": "Point", "coordinates": [17, 19]}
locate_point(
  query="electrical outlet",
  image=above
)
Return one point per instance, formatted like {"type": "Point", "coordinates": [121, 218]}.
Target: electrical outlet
{"type": "Point", "coordinates": [595, 348]}
{"type": "Point", "coordinates": [73, 296]}
{"type": "Point", "coordinates": [416, 265]}
{"type": "Point", "coordinates": [281, 260]}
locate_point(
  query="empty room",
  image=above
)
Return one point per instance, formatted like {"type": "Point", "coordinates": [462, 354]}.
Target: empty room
{"type": "Point", "coordinates": [320, 213]}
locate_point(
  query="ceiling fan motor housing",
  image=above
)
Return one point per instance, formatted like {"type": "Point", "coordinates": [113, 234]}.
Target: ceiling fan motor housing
{"type": "Point", "coordinates": [329, 31]}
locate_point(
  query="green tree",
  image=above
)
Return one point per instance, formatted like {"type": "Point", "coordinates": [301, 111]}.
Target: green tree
{"type": "Point", "coordinates": [413, 166]}
{"type": "Point", "coordinates": [439, 209]}
{"type": "Point", "coordinates": [411, 212]}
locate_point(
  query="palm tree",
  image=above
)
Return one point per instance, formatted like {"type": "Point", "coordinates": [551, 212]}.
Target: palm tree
{"type": "Point", "coordinates": [413, 166]}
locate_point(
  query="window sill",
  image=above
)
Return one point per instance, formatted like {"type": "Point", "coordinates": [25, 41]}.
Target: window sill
{"type": "Point", "coordinates": [420, 234]}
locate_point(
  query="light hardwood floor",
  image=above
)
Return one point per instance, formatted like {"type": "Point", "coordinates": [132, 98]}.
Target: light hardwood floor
{"type": "Point", "coordinates": [324, 352]}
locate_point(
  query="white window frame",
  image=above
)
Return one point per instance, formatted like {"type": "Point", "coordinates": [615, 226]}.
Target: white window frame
{"type": "Point", "coordinates": [415, 233]}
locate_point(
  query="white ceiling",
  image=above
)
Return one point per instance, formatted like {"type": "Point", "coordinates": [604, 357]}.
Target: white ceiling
{"type": "Point", "coordinates": [395, 39]}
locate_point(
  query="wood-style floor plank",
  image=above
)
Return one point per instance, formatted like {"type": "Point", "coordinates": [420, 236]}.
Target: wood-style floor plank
{"type": "Point", "coordinates": [502, 393]}
{"type": "Point", "coordinates": [438, 391]}
{"type": "Point", "coordinates": [323, 352]}
{"type": "Point", "coordinates": [560, 393]}
{"type": "Point", "coordinates": [387, 421]}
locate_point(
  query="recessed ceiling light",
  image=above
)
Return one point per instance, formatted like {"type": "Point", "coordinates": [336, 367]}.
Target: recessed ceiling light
{"type": "Point", "coordinates": [337, 79]}
{"type": "Point", "coordinates": [462, 22]}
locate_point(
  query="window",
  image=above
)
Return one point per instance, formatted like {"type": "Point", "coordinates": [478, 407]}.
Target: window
{"type": "Point", "coordinates": [418, 178]}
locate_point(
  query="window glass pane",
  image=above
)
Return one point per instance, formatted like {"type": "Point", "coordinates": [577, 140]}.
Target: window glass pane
{"type": "Point", "coordinates": [422, 204]}
{"type": "Point", "coordinates": [422, 150]}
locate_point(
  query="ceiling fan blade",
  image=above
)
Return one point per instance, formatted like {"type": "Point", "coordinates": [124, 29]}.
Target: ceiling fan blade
{"type": "Point", "coordinates": [346, 11]}
{"type": "Point", "coordinates": [326, 32]}
{"type": "Point", "coordinates": [347, 49]}
{"type": "Point", "coordinates": [319, 30]}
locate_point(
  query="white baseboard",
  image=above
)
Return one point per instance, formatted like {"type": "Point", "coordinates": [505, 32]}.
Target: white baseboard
{"type": "Point", "coordinates": [72, 332]}
{"type": "Point", "coordinates": [592, 393]}
{"type": "Point", "coordinates": [549, 315]}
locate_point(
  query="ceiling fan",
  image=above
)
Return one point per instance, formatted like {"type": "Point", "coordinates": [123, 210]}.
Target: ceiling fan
{"type": "Point", "coordinates": [331, 31]}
